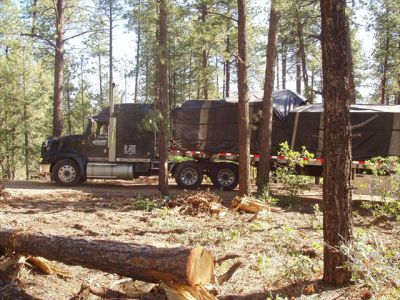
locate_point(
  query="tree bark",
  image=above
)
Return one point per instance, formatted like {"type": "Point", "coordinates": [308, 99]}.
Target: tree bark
{"type": "Point", "coordinates": [26, 119]}
{"type": "Point", "coordinates": [267, 104]}
{"type": "Point", "coordinates": [277, 69]}
{"type": "Point", "coordinates": [190, 266]}
{"type": "Point", "coordinates": [59, 69]}
{"type": "Point", "coordinates": [101, 100]}
{"type": "Point", "coordinates": [244, 118]}
{"type": "Point", "coordinates": [350, 65]}
{"type": "Point", "coordinates": [162, 103]}
{"type": "Point", "coordinates": [302, 54]}
{"type": "Point", "coordinates": [284, 63]}
{"type": "Point", "coordinates": [398, 80]}
{"type": "Point", "coordinates": [385, 68]}
{"type": "Point", "coordinates": [205, 56]}
{"type": "Point", "coordinates": [69, 104]}
{"type": "Point", "coordinates": [298, 72]}
{"type": "Point", "coordinates": [138, 34]}
{"type": "Point", "coordinates": [337, 168]}
{"type": "Point", "coordinates": [228, 69]}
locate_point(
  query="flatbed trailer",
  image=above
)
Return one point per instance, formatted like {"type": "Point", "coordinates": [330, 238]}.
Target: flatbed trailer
{"type": "Point", "coordinates": [120, 144]}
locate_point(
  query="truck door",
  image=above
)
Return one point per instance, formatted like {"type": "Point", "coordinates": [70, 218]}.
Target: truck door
{"type": "Point", "coordinates": [96, 144]}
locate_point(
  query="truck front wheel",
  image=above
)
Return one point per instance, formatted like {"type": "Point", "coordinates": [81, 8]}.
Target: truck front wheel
{"type": "Point", "coordinates": [188, 175]}
{"type": "Point", "coordinates": [225, 176]}
{"type": "Point", "coordinates": [66, 173]}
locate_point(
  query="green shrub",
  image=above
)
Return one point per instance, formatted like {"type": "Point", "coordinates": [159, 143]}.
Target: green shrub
{"type": "Point", "coordinates": [287, 173]}
{"type": "Point", "coordinates": [146, 204]}
{"type": "Point", "coordinates": [385, 184]}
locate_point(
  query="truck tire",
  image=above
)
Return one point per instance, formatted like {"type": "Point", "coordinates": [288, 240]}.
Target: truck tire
{"type": "Point", "coordinates": [188, 175]}
{"type": "Point", "coordinates": [66, 173]}
{"type": "Point", "coordinates": [225, 176]}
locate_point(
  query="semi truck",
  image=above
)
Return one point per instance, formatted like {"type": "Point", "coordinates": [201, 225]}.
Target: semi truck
{"type": "Point", "coordinates": [122, 144]}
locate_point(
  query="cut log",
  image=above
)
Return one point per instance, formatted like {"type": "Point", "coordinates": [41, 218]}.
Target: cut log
{"type": "Point", "coordinates": [184, 292]}
{"type": "Point", "coordinates": [189, 266]}
{"type": "Point", "coordinates": [251, 205]}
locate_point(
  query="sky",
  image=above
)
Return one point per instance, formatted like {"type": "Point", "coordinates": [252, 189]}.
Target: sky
{"type": "Point", "coordinates": [125, 50]}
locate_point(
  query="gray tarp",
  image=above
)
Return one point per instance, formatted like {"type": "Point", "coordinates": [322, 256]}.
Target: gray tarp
{"type": "Point", "coordinates": [378, 137]}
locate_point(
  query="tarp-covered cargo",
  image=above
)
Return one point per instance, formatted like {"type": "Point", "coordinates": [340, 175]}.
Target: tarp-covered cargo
{"type": "Point", "coordinates": [376, 132]}
{"type": "Point", "coordinates": [212, 127]}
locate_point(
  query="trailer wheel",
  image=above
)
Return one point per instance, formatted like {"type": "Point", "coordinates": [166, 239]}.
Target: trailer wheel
{"type": "Point", "coordinates": [66, 173]}
{"type": "Point", "coordinates": [188, 175]}
{"type": "Point", "coordinates": [225, 176]}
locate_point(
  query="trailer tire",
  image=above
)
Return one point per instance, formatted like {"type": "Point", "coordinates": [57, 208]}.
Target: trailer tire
{"type": "Point", "coordinates": [188, 175]}
{"type": "Point", "coordinates": [225, 176]}
{"type": "Point", "coordinates": [66, 173]}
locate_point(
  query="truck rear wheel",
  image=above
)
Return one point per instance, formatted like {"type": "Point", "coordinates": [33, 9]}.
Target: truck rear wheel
{"type": "Point", "coordinates": [225, 176]}
{"type": "Point", "coordinates": [188, 175]}
{"type": "Point", "coordinates": [66, 173]}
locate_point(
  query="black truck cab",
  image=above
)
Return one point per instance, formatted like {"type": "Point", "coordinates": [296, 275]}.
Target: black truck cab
{"type": "Point", "coordinates": [121, 146]}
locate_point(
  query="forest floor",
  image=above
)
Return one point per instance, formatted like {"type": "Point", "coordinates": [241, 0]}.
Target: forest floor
{"type": "Point", "coordinates": [281, 252]}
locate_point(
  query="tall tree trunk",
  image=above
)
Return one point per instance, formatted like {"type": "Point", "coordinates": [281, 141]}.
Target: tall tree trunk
{"type": "Point", "coordinates": [302, 53]}
{"type": "Point", "coordinates": [205, 56]}
{"type": "Point", "coordinates": [59, 69]}
{"type": "Point", "coordinates": [69, 105]}
{"type": "Point", "coordinates": [244, 119]}
{"type": "Point", "coordinates": [385, 68]}
{"type": "Point", "coordinates": [398, 80]}
{"type": "Point", "coordinates": [337, 168]}
{"type": "Point", "coordinates": [277, 69]}
{"type": "Point", "coordinates": [83, 117]}
{"type": "Point", "coordinates": [147, 78]}
{"type": "Point", "coordinates": [138, 41]}
{"type": "Point", "coordinates": [350, 65]}
{"type": "Point", "coordinates": [162, 103]}
{"type": "Point", "coordinates": [26, 117]}
{"type": "Point", "coordinates": [190, 74]}
{"type": "Point", "coordinates": [284, 64]}
{"type": "Point", "coordinates": [267, 105]}
{"type": "Point", "coordinates": [298, 72]}
{"type": "Point", "coordinates": [228, 68]}
{"type": "Point", "coordinates": [101, 99]}
{"type": "Point", "coordinates": [110, 46]}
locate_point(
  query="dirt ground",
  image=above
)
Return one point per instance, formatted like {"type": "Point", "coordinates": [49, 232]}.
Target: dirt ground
{"type": "Point", "coordinates": [133, 213]}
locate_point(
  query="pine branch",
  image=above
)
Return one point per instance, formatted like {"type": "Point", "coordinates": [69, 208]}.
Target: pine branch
{"type": "Point", "coordinates": [37, 36]}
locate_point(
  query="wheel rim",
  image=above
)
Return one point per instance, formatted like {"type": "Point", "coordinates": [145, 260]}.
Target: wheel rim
{"type": "Point", "coordinates": [226, 177]}
{"type": "Point", "coordinates": [67, 173]}
{"type": "Point", "coordinates": [189, 176]}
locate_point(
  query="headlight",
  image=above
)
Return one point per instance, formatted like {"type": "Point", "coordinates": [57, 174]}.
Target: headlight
{"type": "Point", "coordinates": [47, 144]}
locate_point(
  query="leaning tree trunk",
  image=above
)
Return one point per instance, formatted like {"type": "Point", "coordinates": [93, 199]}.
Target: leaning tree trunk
{"type": "Point", "coordinates": [162, 102]}
{"type": "Point", "coordinates": [189, 266]}
{"type": "Point", "coordinates": [244, 119]}
{"type": "Point", "coordinates": [337, 168]}
{"type": "Point", "coordinates": [59, 70]}
{"type": "Point", "coordinates": [267, 104]}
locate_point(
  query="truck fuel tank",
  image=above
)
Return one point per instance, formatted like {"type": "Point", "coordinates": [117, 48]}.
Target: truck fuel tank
{"type": "Point", "coordinates": [110, 171]}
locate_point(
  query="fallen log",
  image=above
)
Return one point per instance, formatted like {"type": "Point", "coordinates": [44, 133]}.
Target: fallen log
{"type": "Point", "coordinates": [188, 266]}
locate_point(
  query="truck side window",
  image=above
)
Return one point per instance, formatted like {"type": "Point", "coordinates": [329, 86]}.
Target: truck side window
{"type": "Point", "coordinates": [102, 130]}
